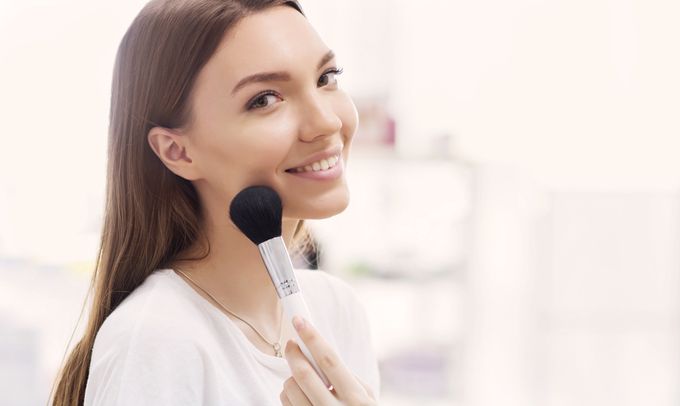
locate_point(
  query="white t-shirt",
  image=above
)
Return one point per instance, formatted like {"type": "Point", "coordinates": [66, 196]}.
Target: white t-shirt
{"type": "Point", "coordinates": [165, 344]}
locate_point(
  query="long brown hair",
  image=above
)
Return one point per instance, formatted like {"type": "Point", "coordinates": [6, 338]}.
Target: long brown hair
{"type": "Point", "coordinates": [151, 215]}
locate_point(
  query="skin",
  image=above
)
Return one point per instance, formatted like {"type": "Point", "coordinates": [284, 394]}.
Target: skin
{"type": "Point", "coordinates": [227, 148]}
{"type": "Point", "coordinates": [306, 388]}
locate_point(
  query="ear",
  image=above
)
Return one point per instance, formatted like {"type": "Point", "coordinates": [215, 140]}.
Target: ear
{"type": "Point", "coordinates": [171, 149]}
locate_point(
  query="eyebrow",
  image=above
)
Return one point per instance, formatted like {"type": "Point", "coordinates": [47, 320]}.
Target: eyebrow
{"type": "Point", "coordinates": [276, 76]}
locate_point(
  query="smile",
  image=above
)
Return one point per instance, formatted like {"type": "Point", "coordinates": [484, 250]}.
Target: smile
{"type": "Point", "coordinates": [325, 169]}
{"type": "Point", "coordinates": [321, 165]}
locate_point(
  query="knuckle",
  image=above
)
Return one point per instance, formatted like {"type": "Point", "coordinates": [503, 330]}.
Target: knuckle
{"type": "Point", "coordinates": [302, 373]}
{"type": "Point", "coordinates": [308, 335]}
{"type": "Point", "coordinates": [328, 361]}
{"type": "Point", "coordinates": [289, 384]}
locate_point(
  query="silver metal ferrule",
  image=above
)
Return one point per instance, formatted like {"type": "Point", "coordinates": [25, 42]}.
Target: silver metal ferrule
{"type": "Point", "coordinates": [280, 268]}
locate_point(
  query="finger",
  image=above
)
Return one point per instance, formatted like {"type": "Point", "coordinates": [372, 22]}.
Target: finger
{"type": "Point", "coordinates": [284, 399]}
{"type": "Point", "coordinates": [329, 361]}
{"type": "Point", "coordinates": [296, 396]}
{"type": "Point", "coordinates": [368, 389]}
{"type": "Point", "coordinates": [306, 377]}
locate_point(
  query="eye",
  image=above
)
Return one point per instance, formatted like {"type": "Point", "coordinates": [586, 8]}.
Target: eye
{"type": "Point", "coordinates": [334, 72]}
{"type": "Point", "coordinates": [260, 101]}
{"type": "Point", "coordinates": [257, 101]}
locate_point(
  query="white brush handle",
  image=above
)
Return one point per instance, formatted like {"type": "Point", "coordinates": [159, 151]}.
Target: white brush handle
{"type": "Point", "coordinates": [280, 269]}
{"type": "Point", "coordinates": [294, 305]}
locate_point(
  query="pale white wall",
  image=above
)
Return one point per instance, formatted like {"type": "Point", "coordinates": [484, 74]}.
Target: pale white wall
{"type": "Point", "coordinates": [55, 76]}
{"type": "Point", "coordinates": [582, 94]}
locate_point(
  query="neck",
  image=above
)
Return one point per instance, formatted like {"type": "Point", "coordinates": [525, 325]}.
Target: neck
{"type": "Point", "coordinates": [233, 271]}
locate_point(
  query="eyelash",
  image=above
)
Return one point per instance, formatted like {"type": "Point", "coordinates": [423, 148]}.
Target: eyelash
{"type": "Point", "coordinates": [250, 105]}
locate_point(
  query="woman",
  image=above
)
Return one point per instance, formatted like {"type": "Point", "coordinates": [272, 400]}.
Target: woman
{"type": "Point", "coordinates": [184, 312]}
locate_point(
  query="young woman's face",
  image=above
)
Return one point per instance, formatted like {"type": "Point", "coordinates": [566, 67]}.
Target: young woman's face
{"type": "Point", "coordinates": [260, 132]}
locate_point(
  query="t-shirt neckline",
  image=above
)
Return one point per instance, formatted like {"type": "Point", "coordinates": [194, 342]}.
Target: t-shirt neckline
{"type": "Point", "coordinates": [270, 360]}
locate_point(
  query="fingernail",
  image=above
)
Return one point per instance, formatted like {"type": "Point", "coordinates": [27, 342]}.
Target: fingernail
{"type": "Point", "coordinates": [298, 322]}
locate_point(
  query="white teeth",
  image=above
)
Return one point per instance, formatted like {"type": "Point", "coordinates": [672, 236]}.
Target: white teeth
{"type": "Point", "coordinates": [321, 165]}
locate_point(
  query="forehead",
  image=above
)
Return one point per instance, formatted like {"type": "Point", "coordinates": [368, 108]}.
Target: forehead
{"type": "Point", "coordinates": [276, 38]}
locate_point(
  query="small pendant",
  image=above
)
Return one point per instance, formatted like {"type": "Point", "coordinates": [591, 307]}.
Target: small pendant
{"type": "Point", "coordinates": [277, 349]}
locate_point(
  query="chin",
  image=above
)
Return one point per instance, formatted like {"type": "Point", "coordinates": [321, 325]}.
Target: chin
{"type": "Point", "coordinates": [318, 207]}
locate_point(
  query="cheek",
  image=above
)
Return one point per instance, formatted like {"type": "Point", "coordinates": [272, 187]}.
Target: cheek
{"type": "Point", "coordinates": [252, 156]}
{"type": "Point", "coordinates": [263, 147]}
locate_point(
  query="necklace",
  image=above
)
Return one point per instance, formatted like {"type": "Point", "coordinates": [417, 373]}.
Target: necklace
{"type": "Point", "coordinates": [276, 345]}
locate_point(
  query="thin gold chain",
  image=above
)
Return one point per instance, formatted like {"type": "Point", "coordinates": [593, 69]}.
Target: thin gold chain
{"type": "Point", "coordinates": [276, 345]}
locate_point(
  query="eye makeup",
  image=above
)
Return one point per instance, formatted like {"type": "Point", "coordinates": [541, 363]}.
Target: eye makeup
{"type": "Point", "coordinates": [252, 103]}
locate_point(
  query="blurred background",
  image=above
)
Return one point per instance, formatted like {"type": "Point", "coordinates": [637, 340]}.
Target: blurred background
{"type": "Point", "coordinates": [514, 230]}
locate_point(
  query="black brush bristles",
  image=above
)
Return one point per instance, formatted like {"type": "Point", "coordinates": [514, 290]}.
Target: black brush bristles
{"type": "Point", "coordinates": [257, 211]}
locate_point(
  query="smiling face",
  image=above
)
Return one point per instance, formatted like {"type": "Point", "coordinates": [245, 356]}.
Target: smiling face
{"type": "Point", "coordinates": [266, 132]}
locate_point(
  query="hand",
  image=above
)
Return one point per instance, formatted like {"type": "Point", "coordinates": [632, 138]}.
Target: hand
{"type": "Point", "coordinates": [305, 387]}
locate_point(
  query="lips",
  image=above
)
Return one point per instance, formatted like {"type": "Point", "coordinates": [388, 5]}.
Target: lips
{"type": "Point", "coordinates": [319, 161]}
{"type": "Point", "coordinates": [317, 166]}
{"type": "Point", "coordinates": [331, 173]}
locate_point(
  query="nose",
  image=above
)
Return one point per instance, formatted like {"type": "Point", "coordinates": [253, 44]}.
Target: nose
{"type": "Point", "coordinates": [318, 118]}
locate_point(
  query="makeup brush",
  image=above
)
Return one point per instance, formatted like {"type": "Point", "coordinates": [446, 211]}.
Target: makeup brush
{"type": "Point", "coordinates": [257, 212]}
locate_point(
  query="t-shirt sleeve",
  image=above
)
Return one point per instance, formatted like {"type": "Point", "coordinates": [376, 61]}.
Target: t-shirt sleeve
{"type": "Point", "coordinates": [146, 369]}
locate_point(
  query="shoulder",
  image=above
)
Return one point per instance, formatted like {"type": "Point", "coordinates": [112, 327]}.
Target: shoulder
{"type": "Point", "coordinates": [156, 314]}
{"type": "Point", "coordinates": [147, 347]}
{"type": "Point", "coordinates": [319, 281]}
{"type": "Point", "coordinates": [330, 291]}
